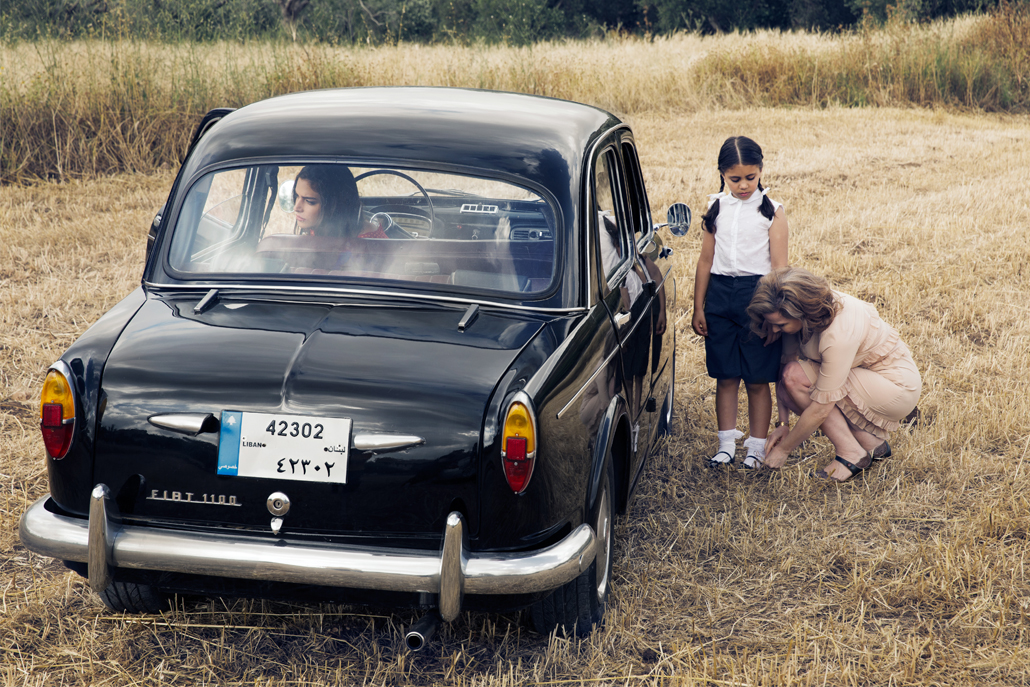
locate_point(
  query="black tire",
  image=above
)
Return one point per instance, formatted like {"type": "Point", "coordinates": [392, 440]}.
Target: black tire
{"type": "Point", "coordinates": [132, 597]}
{"type": "Point", "coordinates": [579, 606]}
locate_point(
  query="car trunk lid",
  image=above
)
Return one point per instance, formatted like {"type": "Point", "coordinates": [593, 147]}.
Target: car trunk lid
{"type": "Point", "coordinates": [391, 369]}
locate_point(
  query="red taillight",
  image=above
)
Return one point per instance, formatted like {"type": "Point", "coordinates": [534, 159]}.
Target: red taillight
{"type": "Point", "coordinates": [57, 414]}
{"type": "Point", "coordinates": [517, 466]}
{"type": "Point", "coordinates": [53, 415]}
{"type": "Point", "coordinates": [518, 445]}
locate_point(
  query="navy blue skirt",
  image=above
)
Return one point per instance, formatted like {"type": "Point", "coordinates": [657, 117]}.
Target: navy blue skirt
{"type": "Point", "coordinates": [732, 350]}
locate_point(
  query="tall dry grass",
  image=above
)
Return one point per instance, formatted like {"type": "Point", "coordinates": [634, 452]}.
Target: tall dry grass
{"type": "Point", "coordinates": [914, 575]}
{"type": "Point", "coordinates": [80, 109]}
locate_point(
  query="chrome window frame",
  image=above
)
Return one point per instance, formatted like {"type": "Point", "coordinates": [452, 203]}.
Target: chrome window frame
{"type": "Point", "coordinates": [609, 138]}
{"type": "Point", "coordinates": [266, 292]}
{"type": "Point", "coordinates": [627, 141]}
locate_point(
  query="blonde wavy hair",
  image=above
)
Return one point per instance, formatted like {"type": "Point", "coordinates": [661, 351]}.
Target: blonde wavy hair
{"type": "Point", "coordinates": [794, 293]}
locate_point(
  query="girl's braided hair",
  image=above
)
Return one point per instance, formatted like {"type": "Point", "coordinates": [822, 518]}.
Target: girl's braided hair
{"type": "Point", "coordinates": [737, 150]}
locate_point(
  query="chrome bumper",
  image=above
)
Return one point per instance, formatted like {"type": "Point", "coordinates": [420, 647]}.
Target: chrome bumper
{"type": "Point", "coordinates": [104, 544]}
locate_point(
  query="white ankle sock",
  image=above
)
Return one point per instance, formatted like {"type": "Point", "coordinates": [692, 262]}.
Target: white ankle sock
{"type": "Point", "coordinates": [728, 443]}
{"type": "Point", "coordinates": [755, 451]}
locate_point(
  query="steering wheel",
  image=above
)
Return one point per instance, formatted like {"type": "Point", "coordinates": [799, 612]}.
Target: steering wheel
{"type": "Point", "coordinates": [402, 175]}
{"type": "Point", "coordinates": [389, 227]}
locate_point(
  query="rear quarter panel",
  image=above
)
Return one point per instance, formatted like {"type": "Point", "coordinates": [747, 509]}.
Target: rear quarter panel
{"type": "Point", "coordinates": [564, 372]}
{"type": "Point", "coordinates": [71, 478]}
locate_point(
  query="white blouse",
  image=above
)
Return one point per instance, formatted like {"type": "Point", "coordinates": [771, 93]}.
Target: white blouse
{"type": "Point", "coordinates": [741, 235]}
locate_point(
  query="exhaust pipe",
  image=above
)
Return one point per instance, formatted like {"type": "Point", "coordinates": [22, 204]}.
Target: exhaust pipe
{"type": "Point", "coordinates": [422, 631]}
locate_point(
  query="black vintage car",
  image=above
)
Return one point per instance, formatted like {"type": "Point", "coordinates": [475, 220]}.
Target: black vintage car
{"type": "Point", "coordinates": [402, 346]}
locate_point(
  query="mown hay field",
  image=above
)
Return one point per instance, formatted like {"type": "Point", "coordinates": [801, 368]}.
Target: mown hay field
{"type": "Point", "coordinates": [915, 574]}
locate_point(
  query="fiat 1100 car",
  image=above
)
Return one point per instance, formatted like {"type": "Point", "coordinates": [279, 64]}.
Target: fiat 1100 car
{"type": "Point", "coordinates": [399, 346]}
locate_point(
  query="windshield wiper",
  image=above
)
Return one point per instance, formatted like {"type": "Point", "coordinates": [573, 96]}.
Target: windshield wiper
{"type": "Point", "coordinates": [468, 318]}
{"type": "Point", "coordinates": [207, 301]}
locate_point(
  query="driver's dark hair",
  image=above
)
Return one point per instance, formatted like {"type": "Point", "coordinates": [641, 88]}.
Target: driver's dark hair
{"type": "Point", "coordinates": [341, 205]}
{"type": "Point", "coordinates": [737, 150]}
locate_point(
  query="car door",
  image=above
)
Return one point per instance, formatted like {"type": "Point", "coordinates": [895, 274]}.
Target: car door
{"type": "Point", "coordinates": [624, 289]}
{"type": "Point", "coordinates": [655, 260]}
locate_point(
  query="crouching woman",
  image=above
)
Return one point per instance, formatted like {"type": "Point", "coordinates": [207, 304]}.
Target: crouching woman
{"type": "Point", "coordinates": [845, 371]}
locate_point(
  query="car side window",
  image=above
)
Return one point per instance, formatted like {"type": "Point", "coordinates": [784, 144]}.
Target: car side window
{"type": "Point", "coordinates": [222, 206]}
{"type": "Point", "coordinates": [607, 189]}
{"type": "Point", "coordinates": [639, 210]}
{"type": "Point", "coordinates": [214, 206]}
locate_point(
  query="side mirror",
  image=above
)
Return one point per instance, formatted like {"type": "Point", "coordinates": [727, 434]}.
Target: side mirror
{"type": "Point", "coordinates": [286, 195]}
{"type": "Point", "coordinates": [678, 218]}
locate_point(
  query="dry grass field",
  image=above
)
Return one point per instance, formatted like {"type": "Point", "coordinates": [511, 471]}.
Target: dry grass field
{"type": "Point", "coordinates": [915, 574]}
{"type": "Point", "coordinates": [78, 109]}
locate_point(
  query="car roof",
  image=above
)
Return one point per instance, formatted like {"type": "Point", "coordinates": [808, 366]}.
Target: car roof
{"type": "Point", "coordinates": [540, 139]}
{"type": "Point", "coordinates": [540, 142]}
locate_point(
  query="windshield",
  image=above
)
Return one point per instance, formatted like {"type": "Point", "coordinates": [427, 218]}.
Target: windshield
{"type": "Point", "coordinates": [339, 223]}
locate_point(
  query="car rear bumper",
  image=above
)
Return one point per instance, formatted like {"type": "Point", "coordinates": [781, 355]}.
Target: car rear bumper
{"type": "Point", "coordinates": [104, 544]}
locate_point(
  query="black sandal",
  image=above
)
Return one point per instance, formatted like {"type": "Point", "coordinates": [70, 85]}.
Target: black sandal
{"type": "Point", "coordinates": [880, 452]}
{"type": "Point", "coordinates": [713, 463]}
{"type": "Point", "coordinates": [855, 469]}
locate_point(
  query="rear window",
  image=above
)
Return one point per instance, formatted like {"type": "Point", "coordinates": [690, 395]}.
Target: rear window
{"type": "Point", "coordinates": [336, 222]}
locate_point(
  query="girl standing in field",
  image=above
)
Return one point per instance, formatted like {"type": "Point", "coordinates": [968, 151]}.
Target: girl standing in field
{"type": "Point", "coordinates": [744, 238]}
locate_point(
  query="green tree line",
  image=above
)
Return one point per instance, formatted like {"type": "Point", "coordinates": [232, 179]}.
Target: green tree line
{"type": "Point", "coordinates": [516, 22]}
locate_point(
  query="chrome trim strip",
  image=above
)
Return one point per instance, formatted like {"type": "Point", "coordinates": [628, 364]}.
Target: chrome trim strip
{"type": "Point", "coordinates": [588, 195]}
{"type": "Point", "coordinates": [589, 220]}
{"type": "Point", "coordinates": [187, 423]}
{"type": "Point", "coordinates": [264, 557]}
{"type": "Point", "coordinates": [532, 387]}
{"type": "Point", "coordinates": [66, 370]}
{"type": "Point", "coordinates": [385, 442]}
{"type": "Point", "coordinates": [620, 275]}
{"type": "Point", "coordinates": [193, 423]}
{"type": "Point", "coordinates": [589, 381]}
{"type": "Point", "coordinates": [626, 139]}
{"type": "Point", "coordinates": [370, 293]}
{"type": "Point", "coordinates": [607, 360]}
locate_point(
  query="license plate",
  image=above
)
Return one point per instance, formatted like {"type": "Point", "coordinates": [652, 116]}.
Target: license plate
{"type": "Point", "coordinates": [299, 447]}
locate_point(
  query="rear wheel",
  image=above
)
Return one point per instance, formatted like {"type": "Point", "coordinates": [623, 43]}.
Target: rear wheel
{"type": "Point", "coordinates": [579, 605]}
{"type": "Point", "coordinates": [133, 597]}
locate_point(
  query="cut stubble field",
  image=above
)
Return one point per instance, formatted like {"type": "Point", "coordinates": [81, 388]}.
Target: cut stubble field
{"type": "Point", "coordinates": [914, 574]}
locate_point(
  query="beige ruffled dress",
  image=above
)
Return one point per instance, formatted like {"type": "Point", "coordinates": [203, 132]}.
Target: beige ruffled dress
{"type": "Point", "coordinates": [860, 363]}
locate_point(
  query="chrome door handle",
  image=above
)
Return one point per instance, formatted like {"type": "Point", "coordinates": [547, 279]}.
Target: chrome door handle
{"type": "Point", "coordinates": [622, 319]}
